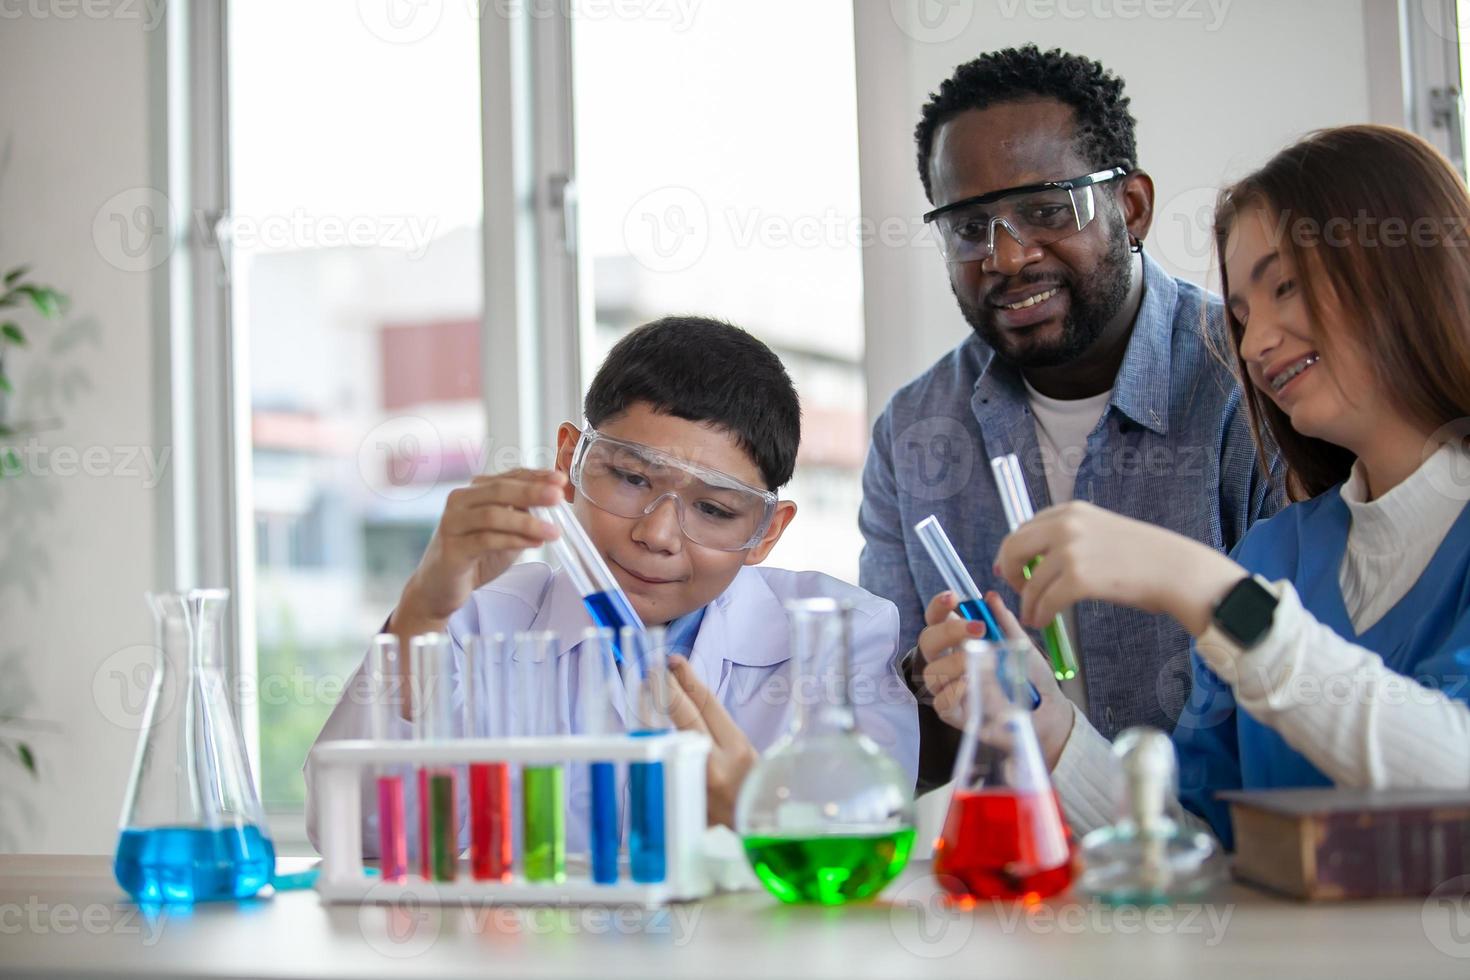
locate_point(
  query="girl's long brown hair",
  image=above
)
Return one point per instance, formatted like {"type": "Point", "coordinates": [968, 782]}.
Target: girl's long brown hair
{"type": "Point", "coordinates": [1376, 224]}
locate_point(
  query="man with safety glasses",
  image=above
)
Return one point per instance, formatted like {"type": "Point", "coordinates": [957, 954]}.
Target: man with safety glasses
{"type": "Point", "coordinates": [1086, 359]}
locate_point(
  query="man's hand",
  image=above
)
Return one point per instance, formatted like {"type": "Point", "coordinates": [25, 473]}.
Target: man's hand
{"type": "Point", "coordinates": [940, 646]}
{"type": "Point", "coordinates": [692, 708]}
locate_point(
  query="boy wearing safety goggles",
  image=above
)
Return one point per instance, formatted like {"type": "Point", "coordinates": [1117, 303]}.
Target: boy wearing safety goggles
{"type": "Point", "coordinates": [692, 425]}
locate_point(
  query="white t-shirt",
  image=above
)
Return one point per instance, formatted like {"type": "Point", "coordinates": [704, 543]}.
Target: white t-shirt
{"type": "Point", "coordinates": [1062, 428]}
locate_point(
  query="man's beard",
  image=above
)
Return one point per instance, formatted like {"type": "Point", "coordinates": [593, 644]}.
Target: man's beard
{"type": "Point", "coordinates": [1095, 301]}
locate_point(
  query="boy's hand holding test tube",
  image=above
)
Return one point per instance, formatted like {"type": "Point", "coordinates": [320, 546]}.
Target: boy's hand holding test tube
{"type": "Point", "coordinates": [483, 530]}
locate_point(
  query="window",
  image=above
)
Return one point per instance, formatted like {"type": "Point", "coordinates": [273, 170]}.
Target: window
{"type": "Point", "coordinates": [355, 275]}
{"type": "Point", "coordinates": [710, 184]}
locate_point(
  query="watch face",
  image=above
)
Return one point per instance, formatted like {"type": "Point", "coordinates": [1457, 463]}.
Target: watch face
{"type": "Point", "coordinates": [1246, 613]}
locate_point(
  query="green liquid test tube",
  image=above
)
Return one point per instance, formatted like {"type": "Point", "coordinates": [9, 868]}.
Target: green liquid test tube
{"type": "Point", "coordinates": [1016, 502]}
{"type": "Point", "coordinates": [443, 847]}
{"type": "Point", "coordinates": [1058, 643]}
{"type": "Point", "coordinates": [543, 811]}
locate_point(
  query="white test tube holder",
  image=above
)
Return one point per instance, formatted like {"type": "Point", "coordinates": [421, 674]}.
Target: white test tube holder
{"type": "Point", "coordinates": [341, 768]}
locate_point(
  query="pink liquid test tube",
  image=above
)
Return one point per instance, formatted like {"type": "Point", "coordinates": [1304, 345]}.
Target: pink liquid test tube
{"type": "Point", "coordinates": [387, 716]}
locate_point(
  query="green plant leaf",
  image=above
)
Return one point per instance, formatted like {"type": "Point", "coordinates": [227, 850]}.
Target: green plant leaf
{"type": "Point", "coordinates": [10, 461]}
{"type": "Point", "coordinates": [6, 431]}
{"type": "Point", "coordinates": [14, 275]}
{"type": "Point", "coordinates": [11, 332]}
{"type": "Point", "coordinates": [48, 302]}
{"type": "Point", "coordinates": [6, 387]}
{"type": "Point", "coordinates": [27, 757]}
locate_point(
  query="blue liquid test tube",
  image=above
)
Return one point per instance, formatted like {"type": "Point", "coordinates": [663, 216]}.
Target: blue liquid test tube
{"type": "Point", "coordinates": [649, 716]}
{"type": "Point", "coordinates": [605, 834]}
{"type": "Point", "coordinates": [593, 580]}
{"type": "Point", "coordinates": [1016, 501]}
{"type": "Point", "coordinates": [958, 580]}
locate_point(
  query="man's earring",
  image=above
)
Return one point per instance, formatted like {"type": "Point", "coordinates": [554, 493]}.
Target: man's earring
{"type": "Point", "coordinates": [1135, 245]}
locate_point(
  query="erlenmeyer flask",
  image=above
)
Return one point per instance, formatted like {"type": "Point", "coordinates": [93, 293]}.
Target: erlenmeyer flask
{"type": "Point", "coordinates": [191, 826]}
{"type": "Point", "coordinates": [1004, 835]}
{"type": "Point", "coordinates": [826, 815]}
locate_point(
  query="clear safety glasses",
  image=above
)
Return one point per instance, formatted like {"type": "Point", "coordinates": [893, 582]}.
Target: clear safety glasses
{"type": "Point", "coordinates": [629, 480]}
{"type": "Point", "coordinates": [1034, 215]}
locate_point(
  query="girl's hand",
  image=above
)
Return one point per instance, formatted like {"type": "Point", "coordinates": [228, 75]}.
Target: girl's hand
{"type": "Point", "coordinates": [1090, 553]}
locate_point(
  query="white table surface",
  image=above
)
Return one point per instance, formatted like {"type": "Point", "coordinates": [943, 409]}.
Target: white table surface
{"type": "Point", "coordinates": [65, 915]}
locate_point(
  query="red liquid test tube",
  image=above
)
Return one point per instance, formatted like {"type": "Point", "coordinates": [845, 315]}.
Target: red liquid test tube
{"type": "Point", "coordinates": [490, 816]}
{"type": "Point", "coordinates": [387, 717]}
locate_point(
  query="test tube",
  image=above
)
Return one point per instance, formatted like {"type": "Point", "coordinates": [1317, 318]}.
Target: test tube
{"type": "Point", "coordinates": [438, 820]}
{"type": "Point", "coordinates": [594, 582]}
{"type": "Point", "coordinates": [649, 715]}
{"type": "Point", "coordinates": [543, 786]}
{"type": "Point", "coordinates": [387, 715]}
{"type": "Point", "coordinates": [605, 834]}
{"type": "Point", "coordinates": [1016, 500]}
{"type": "Point", "coordinates": [958, 580]}
{"type": "Point", "coordinates": [488, 686]}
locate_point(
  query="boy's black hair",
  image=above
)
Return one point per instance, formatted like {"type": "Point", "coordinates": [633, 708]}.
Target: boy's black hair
{"type": "Point", "coordinates": [1105, 127]}
{"type": "Point", "coordinates": [705, 370]}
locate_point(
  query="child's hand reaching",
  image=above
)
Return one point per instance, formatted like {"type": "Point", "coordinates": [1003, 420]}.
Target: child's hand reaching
{"type": "Point", "coordinates": [484, 528]}
{"type": "Point", "coordinates": [693, 708]}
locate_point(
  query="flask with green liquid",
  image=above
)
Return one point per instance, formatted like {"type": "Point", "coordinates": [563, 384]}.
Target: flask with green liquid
{"type": "Point", "coordinates": [826, 815]}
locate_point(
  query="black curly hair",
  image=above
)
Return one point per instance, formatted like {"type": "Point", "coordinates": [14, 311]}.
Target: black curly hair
{"type": "Point", "coordinates": [1105, 127]}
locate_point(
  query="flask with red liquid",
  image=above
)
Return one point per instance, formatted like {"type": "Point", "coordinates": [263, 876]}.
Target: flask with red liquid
{"type": "Point", "coordinates": [1004, 836]}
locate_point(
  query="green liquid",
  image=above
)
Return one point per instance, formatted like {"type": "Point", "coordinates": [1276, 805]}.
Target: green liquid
{"type": "Point", "coordinates": [830, 870]}
{"type": "Point", "coordinates": [543, 807]}
{"type": "Point", "coordinates": [443, 827]}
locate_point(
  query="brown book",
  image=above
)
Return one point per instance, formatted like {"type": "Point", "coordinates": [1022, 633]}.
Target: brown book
{"type": "Point", "coordinates": [1347, 843]}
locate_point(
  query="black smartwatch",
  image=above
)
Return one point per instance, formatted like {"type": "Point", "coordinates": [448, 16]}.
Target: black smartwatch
{"type": "Point", "coordinates": [1246, 613]}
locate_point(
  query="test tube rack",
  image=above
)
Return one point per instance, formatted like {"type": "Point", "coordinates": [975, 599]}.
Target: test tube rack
{"type": "Point", "coordinates": [342, 767]}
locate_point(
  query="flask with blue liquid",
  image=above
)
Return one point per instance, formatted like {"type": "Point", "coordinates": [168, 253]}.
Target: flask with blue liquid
{"type": "Point", "coordinates": [191, 829]}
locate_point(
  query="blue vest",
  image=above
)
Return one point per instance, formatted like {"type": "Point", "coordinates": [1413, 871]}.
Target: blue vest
{"type": "Point", "coordinates": [1425, 636]}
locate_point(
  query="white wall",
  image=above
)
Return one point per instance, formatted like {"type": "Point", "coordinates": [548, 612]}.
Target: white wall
{"type": "Point", "coordinates": [76, 127]}
{"type": "Point", "coordinates": [1217, 87]}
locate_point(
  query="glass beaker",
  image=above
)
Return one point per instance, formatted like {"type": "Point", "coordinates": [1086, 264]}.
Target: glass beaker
{"type": "Point", "coordinates": [1004, 835]}
{"type": "Point", "coordinates": [826, 815]}
{"type": "Point", "coordinates": [191, 826]}
{"type": "Point", "coordinates": [1148, 856]}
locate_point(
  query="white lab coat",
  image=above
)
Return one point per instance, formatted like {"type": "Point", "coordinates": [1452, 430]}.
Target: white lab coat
{"type": "Point", "coordinates": [742, 647]}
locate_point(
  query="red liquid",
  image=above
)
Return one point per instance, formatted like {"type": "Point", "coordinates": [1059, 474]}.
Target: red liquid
{"type": "Point", "coordinates": [490, 853]}
{"type": "Point", "coordinates": [1004, 844]}
{"type": "Point", "coordinates": [392, 833]}
{"type": "Point", "coordinates": [426, 858]}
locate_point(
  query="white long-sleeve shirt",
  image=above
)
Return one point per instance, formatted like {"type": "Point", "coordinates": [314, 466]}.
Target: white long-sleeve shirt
{"type": "Point", "coordinates": [1393, 732]}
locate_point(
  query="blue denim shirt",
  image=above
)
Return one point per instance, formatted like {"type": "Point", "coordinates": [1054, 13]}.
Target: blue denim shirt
{"type": "Point", "coordinates": [1172, 448]}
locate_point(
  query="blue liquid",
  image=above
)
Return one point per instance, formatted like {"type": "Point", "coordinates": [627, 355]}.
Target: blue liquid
{"type": "Point", "coordinates": [606, 834]}
{"type": "Point", "coordinates": [611, 609]}
{"type": "Point", "coordinates": [193, 864]}
{"type": "Point", "coordinates": [976, 611]}
{"type": "Point", "coordinates": [646, 819]}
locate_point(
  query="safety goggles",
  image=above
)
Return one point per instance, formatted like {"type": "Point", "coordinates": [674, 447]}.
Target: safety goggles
{"type": "Point", "coordinates": [1035, 215]}
{"type": "Point", "coordinates": [630, 480]}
